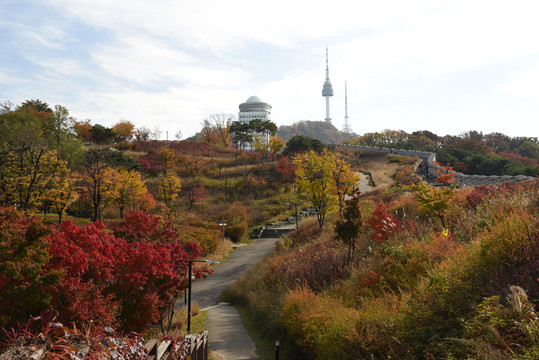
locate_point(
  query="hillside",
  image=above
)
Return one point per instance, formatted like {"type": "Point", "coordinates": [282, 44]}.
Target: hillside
{"type": "Point", "coordinates": [437, 273]}
{"type": "Point", "coordinates": [321, 130]}
{"type": "Point", "coordinates": [98, 227]}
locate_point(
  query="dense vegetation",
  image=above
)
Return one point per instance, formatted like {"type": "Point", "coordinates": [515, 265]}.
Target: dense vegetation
{"type": "Point", "coordinates": [98, 224]}
{"type": "Point", "coordinates": [471, 153]}
{"type": "Point", "coordinates": [415, 289]}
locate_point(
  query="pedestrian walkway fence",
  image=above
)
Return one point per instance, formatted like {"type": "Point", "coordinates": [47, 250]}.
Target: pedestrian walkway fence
{"type": "Point", "coordinates": [192, 346]}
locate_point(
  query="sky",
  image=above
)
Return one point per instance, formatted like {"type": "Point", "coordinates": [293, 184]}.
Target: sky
{"type": "Point", "coordinates": [444, 66]}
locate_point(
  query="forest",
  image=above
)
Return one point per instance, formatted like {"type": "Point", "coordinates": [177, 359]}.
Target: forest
{"type": "Point", "coordinates": [97, 226]}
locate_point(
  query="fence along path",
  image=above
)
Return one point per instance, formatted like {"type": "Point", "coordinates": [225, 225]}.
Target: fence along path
{"type": "Point", "coordinates": [432, 169]}
{"type": "Point", "coordinates": [193, 346]}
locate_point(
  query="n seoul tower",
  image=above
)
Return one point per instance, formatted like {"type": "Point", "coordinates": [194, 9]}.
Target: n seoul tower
{"type": "Point", "coordinates": [327, 90]}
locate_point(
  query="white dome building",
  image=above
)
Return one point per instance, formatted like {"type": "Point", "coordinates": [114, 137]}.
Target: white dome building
{"type": "Point", "coordinates": [254, 108]}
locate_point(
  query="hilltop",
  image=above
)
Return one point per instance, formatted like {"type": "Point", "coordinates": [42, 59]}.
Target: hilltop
{"type": "Point", "coordinates": [321, 130]}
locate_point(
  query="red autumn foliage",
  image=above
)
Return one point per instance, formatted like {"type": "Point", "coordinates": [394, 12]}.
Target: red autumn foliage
{"type": "Point", "coordinates": [286, 168]}
{"type": "Point", "coordinates": [107, 280]}
{"type": "Point", "coordinates": [152, 161]}
{"type": "Point", "coordinates": [193, 192]}
{"type": "Point", "coordinates": [475, 197]}
{"type": "Point", "coordinates": [183, 147]}
{"type": "Point", "coordinates": [526, 161]}
{"type": "Point", "coordinates": [307, 233]}
{"type": "Point", "coordinates": [138, 225]}
{"type": "Point", "coordinates": [383, 224]}
{"type": "Point", "coordinates": [23, 255]}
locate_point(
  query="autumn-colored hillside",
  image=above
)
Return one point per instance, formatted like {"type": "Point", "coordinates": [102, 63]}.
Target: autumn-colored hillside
{"type": "Point", "coordinates": [97, 226]}
{"type": "Point", "coordinates": [435, 273]}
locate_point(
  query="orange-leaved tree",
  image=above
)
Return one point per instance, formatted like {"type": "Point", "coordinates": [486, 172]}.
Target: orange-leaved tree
{"type": "Point", "coordinates": [344, 178]}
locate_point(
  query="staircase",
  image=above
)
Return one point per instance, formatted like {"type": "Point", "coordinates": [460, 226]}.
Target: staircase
{"type": "Point", "coordinates": [274, 233]}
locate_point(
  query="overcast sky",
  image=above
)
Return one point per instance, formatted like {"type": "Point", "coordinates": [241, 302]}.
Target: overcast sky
{"type": "Point", "coordinates": [444, 66]}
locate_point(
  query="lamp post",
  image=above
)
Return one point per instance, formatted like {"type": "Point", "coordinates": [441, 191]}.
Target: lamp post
{"type": "Point", "coordinates": [189, 293]}
{"type": "Point", "coordinates": [296, 208]}
{"type": "Point", "coordinates": [223, 224]}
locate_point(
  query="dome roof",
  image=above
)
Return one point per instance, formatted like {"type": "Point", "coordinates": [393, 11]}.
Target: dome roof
{"type": "Point", "coordinates": [254, 98]}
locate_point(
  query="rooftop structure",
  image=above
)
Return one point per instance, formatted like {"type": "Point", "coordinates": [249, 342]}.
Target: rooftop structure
{"type": "Point", "coordinates": [254, 108]}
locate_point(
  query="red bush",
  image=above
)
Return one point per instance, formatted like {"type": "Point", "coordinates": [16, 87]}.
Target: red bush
{"type": "Point", "coordinates": [383, 224]}
{"type": "Point", "coordinates": [107, 280]}
{"type": "Point", "coordinates": [23, 256]}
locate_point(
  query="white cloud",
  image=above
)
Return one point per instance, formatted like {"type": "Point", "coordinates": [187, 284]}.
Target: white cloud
{"type": "Point", "coordinates": [176, 61]}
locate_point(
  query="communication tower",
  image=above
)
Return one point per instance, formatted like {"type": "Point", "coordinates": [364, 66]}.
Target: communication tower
{"type": "Point", "coordinates": [327, 90]}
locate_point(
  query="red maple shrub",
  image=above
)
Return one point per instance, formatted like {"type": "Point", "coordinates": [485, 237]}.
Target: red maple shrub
{"type": "Point", "coordinates": [23, 256]}
{"type": "Point", "coordinates": [138, 225]}
{"type": "Point", "coordinates": [383, 224]}
{"type": "Point", "coordinates": [107, 280]}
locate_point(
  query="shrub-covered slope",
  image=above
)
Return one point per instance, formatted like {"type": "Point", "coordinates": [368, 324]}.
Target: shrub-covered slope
{"type": "Point", "coordinates": [437, 274]}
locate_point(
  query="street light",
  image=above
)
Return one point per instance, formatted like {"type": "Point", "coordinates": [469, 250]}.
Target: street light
{"type": "Point", "coordinates": [189, 294]}
{"type": "Point", "coordinates": [223, 224]}
{"type": "Point", "coordinates": [296, 207]}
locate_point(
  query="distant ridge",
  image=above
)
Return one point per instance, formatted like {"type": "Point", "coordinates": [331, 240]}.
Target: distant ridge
{"type": "Point", "coordinates": [321, 130]}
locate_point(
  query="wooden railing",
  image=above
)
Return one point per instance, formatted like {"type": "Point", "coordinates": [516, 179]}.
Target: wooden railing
{"type": "Point", "coordinates": [190, 346]}
{"type": "Point", "coordinates": [193, 346]}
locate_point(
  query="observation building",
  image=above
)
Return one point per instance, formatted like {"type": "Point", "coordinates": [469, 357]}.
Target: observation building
{"type": "Point", "coordinates": [254, 108]}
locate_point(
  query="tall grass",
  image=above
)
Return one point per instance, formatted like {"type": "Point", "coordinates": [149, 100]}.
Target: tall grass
{"type": "Point", "coordinates": [416, 294]}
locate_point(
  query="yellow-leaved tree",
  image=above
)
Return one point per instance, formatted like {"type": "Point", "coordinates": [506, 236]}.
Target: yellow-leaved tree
{"type": "Point", "coordinates": [27, 174]}
{"type": "Point", "coordinates": [314, 176]}
{"type": "Point", "coordinates": [63, 191]}
{"type": "Point", "coordinates": [275, 145]}
{"type": "Point", "coordinates": [109, 188]}
{"type": "Point", "coordinates": [260, 143]}
{"type": "Point", "coordinates": [344, 178]}
{"type": "Point", "coordinates": [168, 188]}
{"type": "Point", "coordinates": [132, 191]}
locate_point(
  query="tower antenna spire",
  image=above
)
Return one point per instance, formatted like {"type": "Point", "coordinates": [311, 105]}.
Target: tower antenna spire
{"type": "Point", "coordinates": [346, 128]}
{"type": "Point", "coordinates": [327, 64]}
{"type": "Point", "coordinates": [327, 90]}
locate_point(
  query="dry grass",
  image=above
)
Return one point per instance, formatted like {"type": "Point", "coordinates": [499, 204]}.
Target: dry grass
{"type": "Point", "coordinates": [378, 164]}
{"type": "Point", "coordinates": [179, 323]}
{"type": "Point", "coordinates": [223, 250]}
{"type": "Point", "coordinates": [134, 154]}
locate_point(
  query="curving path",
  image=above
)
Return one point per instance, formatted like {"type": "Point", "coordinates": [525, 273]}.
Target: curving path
{"type": "Point", "coordinates": [227, 337]}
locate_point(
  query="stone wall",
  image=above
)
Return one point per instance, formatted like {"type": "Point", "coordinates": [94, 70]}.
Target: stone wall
{"type": "Point", "coordinates": [430, 170]}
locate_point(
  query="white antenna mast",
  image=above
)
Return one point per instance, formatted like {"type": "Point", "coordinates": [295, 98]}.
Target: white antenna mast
{"type": "Point", "coordinates": [346, 129]}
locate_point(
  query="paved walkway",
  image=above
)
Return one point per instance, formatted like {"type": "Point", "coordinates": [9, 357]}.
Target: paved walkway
{"type": "Point", "coordinates": [363, 184]}
{"type": "Point", "coordinates": [227, 337]}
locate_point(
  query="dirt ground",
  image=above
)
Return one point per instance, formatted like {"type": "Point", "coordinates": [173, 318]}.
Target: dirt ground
{"type": "Point", "coordinates": [378, 164]}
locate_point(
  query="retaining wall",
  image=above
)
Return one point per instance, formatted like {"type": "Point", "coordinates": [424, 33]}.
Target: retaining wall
{"type": "Point", "coordinates": [430, 170]}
